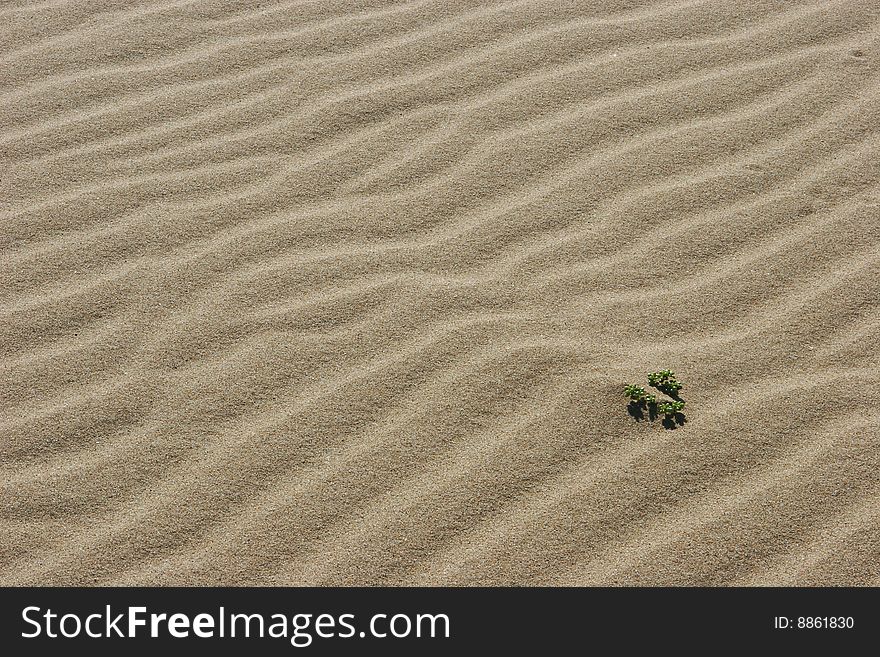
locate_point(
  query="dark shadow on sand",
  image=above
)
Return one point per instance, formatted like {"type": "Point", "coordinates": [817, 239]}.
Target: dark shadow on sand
{"type": "Point", "coordinates": [640, 412]}
{"type": "Point", "coordinates": [673, 422]}
{"type": "Point", "coordinates": [636, 411]}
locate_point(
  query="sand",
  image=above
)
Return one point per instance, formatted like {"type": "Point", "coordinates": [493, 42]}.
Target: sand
{"type": "Point", "coordinates": [335, 293]}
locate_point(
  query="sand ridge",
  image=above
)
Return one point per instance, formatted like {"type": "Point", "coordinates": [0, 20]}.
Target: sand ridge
{"type": "Point", "coordinates": [323, 292]}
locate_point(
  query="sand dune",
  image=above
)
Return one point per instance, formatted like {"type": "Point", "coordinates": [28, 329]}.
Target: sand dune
{"type": "Point", "coordinates": [324, 292]}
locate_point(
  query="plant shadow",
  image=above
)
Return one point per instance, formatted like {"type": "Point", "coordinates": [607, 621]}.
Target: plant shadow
{"type": "Point", "coordinates": [636, 410]}
{"type": "Point", "coordinates": [640, 412]}
{"type": "Point", "coordinates": [672, 422]}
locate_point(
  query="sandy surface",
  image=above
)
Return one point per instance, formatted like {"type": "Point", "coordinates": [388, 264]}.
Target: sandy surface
{"type": "Point", "coordinates": [321, 292]}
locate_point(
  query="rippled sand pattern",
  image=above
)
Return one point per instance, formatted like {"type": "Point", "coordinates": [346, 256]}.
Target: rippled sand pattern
{"type": "Point", "coordinates": [325, 292]}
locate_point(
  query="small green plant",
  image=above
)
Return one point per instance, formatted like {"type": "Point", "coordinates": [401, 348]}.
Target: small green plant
{"type": "Point", "coordinates": [634, 392]}
{"type": "Point", "coordinates": [638, 394]}
{"type": "Point", "coordinates": [665, 382]}
{"type": "Point", "coordinates": [670, 408]}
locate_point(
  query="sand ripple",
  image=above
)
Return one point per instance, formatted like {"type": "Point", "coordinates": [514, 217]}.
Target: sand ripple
{"type": "Point", "coordinates": [323, 292]}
